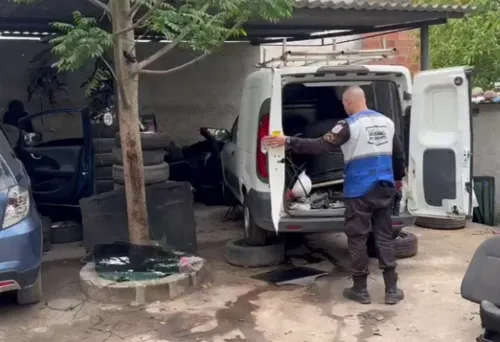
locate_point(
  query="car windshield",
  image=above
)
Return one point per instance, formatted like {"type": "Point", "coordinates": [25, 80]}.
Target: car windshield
{"type": "Point", "coordinates": [7, 180]}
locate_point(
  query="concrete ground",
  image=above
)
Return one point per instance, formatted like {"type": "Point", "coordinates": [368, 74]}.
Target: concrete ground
{"type": "Point", "coordinates": [233, 307]}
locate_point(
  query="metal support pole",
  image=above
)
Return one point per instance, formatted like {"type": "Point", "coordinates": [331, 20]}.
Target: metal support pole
{"type": "Point", "coordinates": [424, 48]}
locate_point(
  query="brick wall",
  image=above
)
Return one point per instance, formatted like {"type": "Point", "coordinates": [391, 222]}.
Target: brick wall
{"type": "Point", "coordinates": [405, 42]}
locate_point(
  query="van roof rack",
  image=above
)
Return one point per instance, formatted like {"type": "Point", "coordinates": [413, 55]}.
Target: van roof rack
{"type": "Point", "coordinates": [343, 57]}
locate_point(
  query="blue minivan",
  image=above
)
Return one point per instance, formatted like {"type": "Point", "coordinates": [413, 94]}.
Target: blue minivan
{"type": "Point", "coordinates": [20, 230]}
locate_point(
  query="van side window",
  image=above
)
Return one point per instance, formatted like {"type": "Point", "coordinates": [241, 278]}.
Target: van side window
{"type": "Point", "coordinates": [234, 130]}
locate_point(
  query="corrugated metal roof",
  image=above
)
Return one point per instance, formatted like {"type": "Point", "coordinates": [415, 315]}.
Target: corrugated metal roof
{"type": "Point", "coordinates": [380, 6]}
{"type": "Point", "coordinates": [358, 16]}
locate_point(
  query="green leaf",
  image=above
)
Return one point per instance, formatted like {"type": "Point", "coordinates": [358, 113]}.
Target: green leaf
{"type": "Point", "coordinates": [474, 41]}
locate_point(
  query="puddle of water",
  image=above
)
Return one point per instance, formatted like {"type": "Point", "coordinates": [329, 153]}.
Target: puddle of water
{"type": "Point", "coordinates": [369, 321]}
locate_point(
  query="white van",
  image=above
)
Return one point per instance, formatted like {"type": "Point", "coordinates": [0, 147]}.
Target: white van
{"type": "Point", "coordinates": [306, 101]}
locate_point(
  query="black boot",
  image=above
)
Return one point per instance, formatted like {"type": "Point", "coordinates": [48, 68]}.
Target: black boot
{"type": "Point", "coordinates": [358, 292]}
{"type": "Point", "coordinates": [393, 294]}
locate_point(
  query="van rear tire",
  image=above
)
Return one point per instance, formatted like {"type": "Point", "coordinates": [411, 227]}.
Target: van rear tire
{"type": "Point", "coordinates": [254, 235]}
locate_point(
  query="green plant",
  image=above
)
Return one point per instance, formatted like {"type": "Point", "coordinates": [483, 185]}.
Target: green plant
{"type": "Point", "coordinates": [473, 41]}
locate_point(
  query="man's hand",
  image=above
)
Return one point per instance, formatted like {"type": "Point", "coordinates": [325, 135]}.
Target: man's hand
{"type": "Point", "coordinates": [399, 185]}
{"type": "Point", "coordinates": [272, 141]}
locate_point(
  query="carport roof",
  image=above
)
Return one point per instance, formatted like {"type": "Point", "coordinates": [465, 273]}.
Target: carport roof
{"type": "Point", "coordinates": [310, 16]}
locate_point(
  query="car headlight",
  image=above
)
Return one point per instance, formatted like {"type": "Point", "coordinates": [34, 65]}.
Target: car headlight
{"type": "Point", "coordinates": [17, 206]}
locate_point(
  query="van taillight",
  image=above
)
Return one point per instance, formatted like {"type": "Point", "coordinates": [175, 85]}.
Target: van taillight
{"type": "Point", "coordinates": [261, 156]}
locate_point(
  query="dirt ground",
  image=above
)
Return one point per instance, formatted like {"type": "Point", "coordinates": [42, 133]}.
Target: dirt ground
{"type": "Point", "coordinates": [233, 307]}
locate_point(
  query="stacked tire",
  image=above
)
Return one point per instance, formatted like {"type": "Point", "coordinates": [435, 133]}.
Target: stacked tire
{"type": "Point", "coordinates": [103, 141]}
{"type": "Point", "coordinates": [153, 153]}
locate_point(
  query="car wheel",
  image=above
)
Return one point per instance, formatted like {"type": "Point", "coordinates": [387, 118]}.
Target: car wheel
{"type": "Point", "coordinates": [32, 294]}
{"type": "Point", "coordinates": [103, 172]}
{"type": "Point", "coordinates": [100, 130]}
{"type": "Point", "coordinates": [149, 157]}
{"type": "Point", "coordinates": [103, 145]}
{"type": "Point", "coordinates": [66, 232]}
{"type": "Point", "coordinates": [436, 223]}
{"type": "Point", "coordinates": [239, 253]}
{"type": "Point", "coordinates": [254, 235]}
{"type": "Point", "coordinates": [153, 174]}
{"type": "Point", "coordinates": [104, 159]}
{"type": "Point", "coordinates": [149, 141]}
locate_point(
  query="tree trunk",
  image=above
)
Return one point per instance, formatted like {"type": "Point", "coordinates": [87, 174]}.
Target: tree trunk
{"type": "Point", "coordinates": [128, 112]}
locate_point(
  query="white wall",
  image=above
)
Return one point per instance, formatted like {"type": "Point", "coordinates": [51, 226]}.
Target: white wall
{"type": "Point", "coordinates": [486, 125]}
{"type": "Point", "coordinates": [205, 94]}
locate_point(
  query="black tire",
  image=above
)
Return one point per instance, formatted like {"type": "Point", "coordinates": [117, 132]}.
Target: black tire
{"type": "Point", "coordinates": [103, 145]}
{"type": "Point", "coordinates": [66, 232]}
{"type": "Point", "coordinates": [149, 141]}
{"type": "Point", "coordinates": [104, 159]}
{"type": "Point", "coordinates": [406, 245]}
{"type": "Point", "coordinates": [46, 229]}
{"type": "Point", "coordinates": [370, 242]}
{"type": "Point", "coordinates": [100, 130]}
{"type": "Point", "coordinates": [150, 157]}
{"type": "Point", "coordinates": [153, 174]}
{"type": "Point", "coordinates": [240, 254]}
{"type": "Point", "coordinates": [103, 172]}
{"type": "Point", "coordinates": [254, 235]}
{"type": "Point", "coordinates": [32, 294]}
{"type": "Point", "coordinates": [443, 224]}
{"type": "Point", "coordinates": [104, 185]}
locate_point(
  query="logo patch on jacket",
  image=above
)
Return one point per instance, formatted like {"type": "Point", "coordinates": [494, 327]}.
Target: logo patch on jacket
{"type": "Point", "coordinates": [377, 135]}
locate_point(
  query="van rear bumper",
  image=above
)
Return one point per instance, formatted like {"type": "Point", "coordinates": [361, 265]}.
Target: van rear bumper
{"type": "Point", "coordinates": [260, 206]}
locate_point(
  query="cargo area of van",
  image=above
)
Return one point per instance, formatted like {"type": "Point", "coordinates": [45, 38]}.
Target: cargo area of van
{"type": "Point", "coordinates": [310, 110]}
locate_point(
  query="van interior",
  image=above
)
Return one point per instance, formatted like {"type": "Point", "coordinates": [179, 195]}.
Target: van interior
{"type": "Point", "coordinates": [309, 111]}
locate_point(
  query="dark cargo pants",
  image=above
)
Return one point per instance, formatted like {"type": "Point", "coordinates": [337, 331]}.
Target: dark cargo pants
{"type": "Point", "coordinates": [371, 212]}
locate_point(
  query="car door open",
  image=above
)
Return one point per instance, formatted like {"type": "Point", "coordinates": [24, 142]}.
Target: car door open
{"type": "Point", "coordinates": [60, 164]}
{"type": "Point", "coordinates": [276, 156]}
{"type": "Point", "coordinates": [440, 153]}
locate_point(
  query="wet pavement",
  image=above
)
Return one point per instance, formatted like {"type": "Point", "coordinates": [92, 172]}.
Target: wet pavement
{"type": "Point", "coordinates": [233, 307]}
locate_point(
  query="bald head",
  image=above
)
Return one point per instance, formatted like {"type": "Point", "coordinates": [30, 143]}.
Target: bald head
{"type": "Point", "coordinates": [354, 100]}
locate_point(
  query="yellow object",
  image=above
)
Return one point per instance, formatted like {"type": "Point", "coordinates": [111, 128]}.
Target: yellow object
{"type": "Point", "coordinates": [276, 134]}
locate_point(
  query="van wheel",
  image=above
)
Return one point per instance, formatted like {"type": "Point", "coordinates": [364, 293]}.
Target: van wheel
{"type": "Point", "coordinates": [254, 235]}
{"type": "Point", "coordinates": [436, 223]}
{"type": "Point", "coordinates": [32, 294]}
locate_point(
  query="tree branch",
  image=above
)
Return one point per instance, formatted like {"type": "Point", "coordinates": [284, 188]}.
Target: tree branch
{"type": "Point", "coordinates": [167, 48]}
{"type": "Point", "coordinates": [100, 4]}
{"type": "Point", "coordinates": [134, 9]}
{"type": "Point", "coordinates": [164, 50]}
{"type": "Point", "coordinates": [115, 77]}
{"type": "Point", "coordinates": [142, 20]}
{"type": "Point", "coordinates": [177, 68]}
{"type": "Point", "coordinates": [109, 68]}
{"type": "Point", "coordinates": [197, 59]}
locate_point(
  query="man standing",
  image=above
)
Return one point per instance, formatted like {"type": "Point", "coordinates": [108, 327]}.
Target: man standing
{"type": "Point", "coordinates": [374, 167]}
